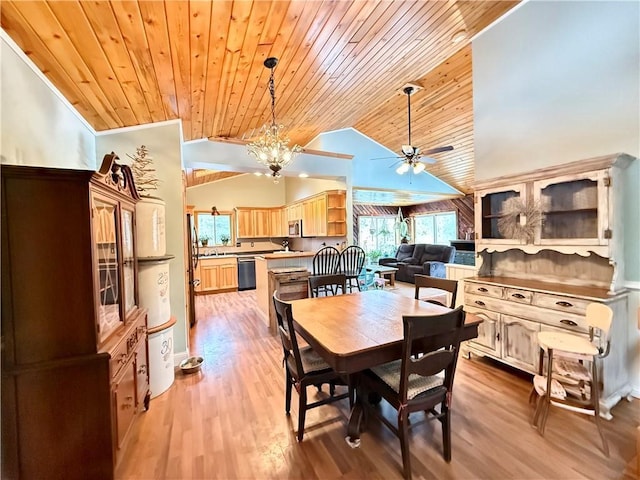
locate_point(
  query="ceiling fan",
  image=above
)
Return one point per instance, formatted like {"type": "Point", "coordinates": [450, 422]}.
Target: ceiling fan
{"type": "Point", "coordinates": [411, 157]}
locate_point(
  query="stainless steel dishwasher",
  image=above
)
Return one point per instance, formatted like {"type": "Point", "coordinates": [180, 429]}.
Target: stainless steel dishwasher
{"type": "Point", "coordinates": [246, 273]}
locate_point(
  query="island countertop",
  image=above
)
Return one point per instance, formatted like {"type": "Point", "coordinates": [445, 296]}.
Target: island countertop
{"type": "Point", "coordinates": [278, 255]}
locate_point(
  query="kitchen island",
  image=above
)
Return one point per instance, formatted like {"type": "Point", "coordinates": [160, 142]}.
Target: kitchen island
{"type": "Point", "coordinates": [270, 261]}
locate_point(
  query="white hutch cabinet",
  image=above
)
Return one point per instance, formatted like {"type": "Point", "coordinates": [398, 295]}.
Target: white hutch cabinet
{"type": "Point", "coordinates": [562, 250]}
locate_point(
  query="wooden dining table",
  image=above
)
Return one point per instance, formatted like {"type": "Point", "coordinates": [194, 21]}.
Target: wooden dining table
{"type": "Point", "coordinates": [358, 331]}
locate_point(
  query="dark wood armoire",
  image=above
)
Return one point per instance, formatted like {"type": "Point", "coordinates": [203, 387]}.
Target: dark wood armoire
{"type": "Point", "coordinates": [74, 342]}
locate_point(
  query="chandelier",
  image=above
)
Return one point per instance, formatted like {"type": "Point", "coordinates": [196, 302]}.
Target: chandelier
{"type": "Point", "coordinates": [272, 148]}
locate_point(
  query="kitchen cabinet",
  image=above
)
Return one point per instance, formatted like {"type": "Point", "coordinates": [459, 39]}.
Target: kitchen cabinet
{"type": "Point", "coordinates": [73, 335]}
{"type": "Point", "coordinates": [253, 222]}
{"type": "Point", "coordinates": [336, 214]}
{"type": "Point", "coordinates": [568, 253]}
{"type": "Point", "coordinates": [278, 226]}
{"type": "Point", "coordinates": [294, 211]}
{"type": "Point", "coordinates": [324, 215]}
{"type": "Point", "coordinates": [217, 274]}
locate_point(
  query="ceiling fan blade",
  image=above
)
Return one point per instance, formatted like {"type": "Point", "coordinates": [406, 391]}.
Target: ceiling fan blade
{"type": "Point", "coordinates": [431, 151]}
{"type": "Point", "coordinates": [428, 160]}
{"type": "Point", "coordinates": [386, 158]}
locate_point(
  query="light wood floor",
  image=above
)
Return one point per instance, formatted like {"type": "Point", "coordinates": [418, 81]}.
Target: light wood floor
{"type": "Point", "coordinates": [228, 421]}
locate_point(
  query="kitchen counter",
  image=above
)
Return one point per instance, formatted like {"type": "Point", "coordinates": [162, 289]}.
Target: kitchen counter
{"type": "Point", "coordinates": [277, 261]}
{"type": "Point", "coordinates": [278, 255]}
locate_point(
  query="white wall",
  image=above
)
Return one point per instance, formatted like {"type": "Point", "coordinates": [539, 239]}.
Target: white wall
{"type": "Point", "coordinates": [164, 144]}
{"type": "Point", "coordinates": [380, 174]}
{"type": "Point", "coordinates": [556, 82]}
{"type": "Point", "coordinates": [39, 127]}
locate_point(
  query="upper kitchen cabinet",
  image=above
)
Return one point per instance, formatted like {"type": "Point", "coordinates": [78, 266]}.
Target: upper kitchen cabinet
{"type": "Point", "coordinates": [278, 224]}
{"type": "Point", "coordinates": [253, 222]}
{"type": "Point", "coordinates": [293, 212]}
{"type": "Point", "coordinates": [324, 215]}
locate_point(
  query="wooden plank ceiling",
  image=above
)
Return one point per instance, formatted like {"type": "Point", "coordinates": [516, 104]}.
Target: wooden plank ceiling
{"type": "Point", "coordinates": [342, 64]}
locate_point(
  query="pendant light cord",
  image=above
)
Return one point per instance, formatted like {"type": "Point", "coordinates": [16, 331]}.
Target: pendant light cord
{"type": "Point", "coordinates": [272, 92]}
{"type": "Point", "coordinates": [409, 113]}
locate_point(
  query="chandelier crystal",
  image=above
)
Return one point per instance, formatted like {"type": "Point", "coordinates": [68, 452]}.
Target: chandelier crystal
{"type": "Point", "coordinates": [272, 147]}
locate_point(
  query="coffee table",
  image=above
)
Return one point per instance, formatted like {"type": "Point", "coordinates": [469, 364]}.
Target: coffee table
{"type": "Point", "coordinates": [384, 271]}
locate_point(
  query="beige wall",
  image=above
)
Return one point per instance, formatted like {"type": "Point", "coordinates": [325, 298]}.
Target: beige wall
{"type": "Point", "coordinates": [245, 190]}
{"type": "Point", "coordinates": [164, 144]}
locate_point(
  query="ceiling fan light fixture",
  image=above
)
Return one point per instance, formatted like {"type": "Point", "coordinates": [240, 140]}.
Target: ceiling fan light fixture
{"type": "Point", "coordinates": [418, 167]}
{"type": "Point", "coordinates": [403, 168]}
{"type": "Point", "coordinates": [272, 147]}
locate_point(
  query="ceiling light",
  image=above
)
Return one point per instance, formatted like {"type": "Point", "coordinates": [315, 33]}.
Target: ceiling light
{"type": "Point", "coordinates": [303, 175]}
{"type": "Point", "coordinates": [257, 174]}
{"type": "Point", "coordinates": [214, 211]}
{"type": "Point", "coordinates": [272, 148]}
{"type": "Point", "coordinates": [403, 168]}
{"type": "Point", "coordinates": [418, 167]}
{"type": "Point", "coordinates": [459, 36]}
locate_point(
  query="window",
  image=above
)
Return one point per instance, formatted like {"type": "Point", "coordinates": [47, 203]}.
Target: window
{"type": "Point", "coordinates": [436, 228]}
{"type": "Point", "coordinates": [377, 235]}
{"type": "Point", "coordinates": [214, 229]}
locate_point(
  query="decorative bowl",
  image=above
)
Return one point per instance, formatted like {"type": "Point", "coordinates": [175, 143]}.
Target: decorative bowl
{"type": "Point", "coordinates": [191, 364]}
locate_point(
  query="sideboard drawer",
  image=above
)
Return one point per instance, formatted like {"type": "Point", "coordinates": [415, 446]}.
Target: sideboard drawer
{"type": "Point", "coordinates": [573, 305]}
{"type": "Point", "coordinates": [482, 313]}
{"type": "Point", "coordinates": [479, 301]}
{"type": "Point", "coordinates": [483, 289]}
{"type": "Point", "coordinates": [565, 321]}
{"type": "Point", "coordinates": [517, 295]}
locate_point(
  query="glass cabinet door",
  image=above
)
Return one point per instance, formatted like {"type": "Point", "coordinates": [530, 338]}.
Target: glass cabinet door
{"type": "Point", "coordinates": [573, 210]}
{"type": "Point", "coordinates": [491, 206]}
{"type": "Point", "coordinates": [128, 260]}
{"type": "Point", "coordinates": [105, 234]}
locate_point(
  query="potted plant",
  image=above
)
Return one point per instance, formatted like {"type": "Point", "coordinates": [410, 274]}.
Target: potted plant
{"type": "Point", "coordinates": [374, 256]}
{"type": "Point", "coordinates": [224, 239]}
{"type": "Point", "coordinates": [204, 240]}
{"type": "Point", "coordinates": [402, 225]}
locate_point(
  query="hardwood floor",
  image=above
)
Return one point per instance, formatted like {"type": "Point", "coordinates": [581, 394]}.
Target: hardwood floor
{"type": "Point", "coordinates": [228, 421]}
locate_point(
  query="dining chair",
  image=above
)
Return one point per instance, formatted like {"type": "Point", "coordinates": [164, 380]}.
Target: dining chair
{"type": "Point", "coordinates": [304, 367]}
{"type": "Point", "coordinates": [327, 284]}
{"type": "Point", "coordinates": [326, 261]}
{"type": "Point", "coordinates": [571, 376]}
{"type": "Point", "coordinates": [352, 261]}
{"type": "Point", "coordinates": [419, 383]}
{"type": "Point", "coordinates": [430, 283]}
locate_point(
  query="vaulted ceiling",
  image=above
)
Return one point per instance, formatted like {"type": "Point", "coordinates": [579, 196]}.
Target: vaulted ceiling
{"type": "Point", "coordinates": [341, 64]}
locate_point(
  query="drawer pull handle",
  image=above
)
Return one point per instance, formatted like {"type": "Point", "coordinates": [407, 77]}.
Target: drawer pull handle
{"type": "Point", "coordinates": [517, 295]}
{"type": "Point", "coordinates": [483, 290]}
{"type": "Point", "coordinates": [564, 304]}
{"type": "Point", "coordinates": [571, 323]}
{"type": "Point", "coordinates": [478, 302]}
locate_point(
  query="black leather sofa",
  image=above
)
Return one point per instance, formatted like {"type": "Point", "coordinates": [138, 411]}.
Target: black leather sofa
{"type": "Point", "coordinates": [420, 258]}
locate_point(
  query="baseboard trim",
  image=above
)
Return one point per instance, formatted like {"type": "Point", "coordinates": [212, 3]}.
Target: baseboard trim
{"type": "Point", "coordinates": [179, 357]}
